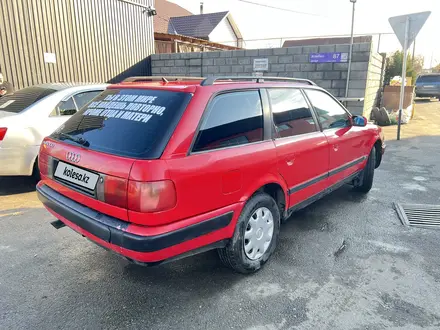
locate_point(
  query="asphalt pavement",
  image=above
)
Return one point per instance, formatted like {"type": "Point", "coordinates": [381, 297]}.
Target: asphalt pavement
{"type": "Point", "coordinates": [345, 262]}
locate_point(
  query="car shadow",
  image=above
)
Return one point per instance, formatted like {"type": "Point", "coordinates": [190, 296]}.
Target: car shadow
{"type": "Point", "coordinates": [12, 185]}
{"type": "Point", "coordinates": [207, 263]}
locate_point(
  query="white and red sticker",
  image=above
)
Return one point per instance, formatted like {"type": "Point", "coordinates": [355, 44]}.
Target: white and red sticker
{"type": "Point", "coordinates": [139, 108]}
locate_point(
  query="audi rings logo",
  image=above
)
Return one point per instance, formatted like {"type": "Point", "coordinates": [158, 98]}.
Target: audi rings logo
{"type": "Point", "coordinates": [73, 157]}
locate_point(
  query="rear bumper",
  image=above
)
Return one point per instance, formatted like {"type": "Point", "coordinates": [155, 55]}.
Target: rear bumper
{"type": "Point", "coordinates": [427, 93]}
{"type": "Point", "coordinates": [114, 234]}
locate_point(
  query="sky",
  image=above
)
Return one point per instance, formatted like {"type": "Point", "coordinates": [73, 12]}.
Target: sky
{"type": "Point", "coordinates": [326, 17]}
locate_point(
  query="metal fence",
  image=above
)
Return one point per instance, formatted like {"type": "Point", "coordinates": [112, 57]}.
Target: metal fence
{"type": "Point", "coordinates": [382, 42]}
{"type": "Point", "coordinates": [73, 40]}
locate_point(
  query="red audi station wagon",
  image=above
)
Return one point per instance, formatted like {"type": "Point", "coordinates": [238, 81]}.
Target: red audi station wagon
{"type": "Point", "coordinates": [158, 168]}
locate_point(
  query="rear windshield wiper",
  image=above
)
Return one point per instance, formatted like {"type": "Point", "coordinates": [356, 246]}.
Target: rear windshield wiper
{"type": "Point", "coordinates": [80, 140]}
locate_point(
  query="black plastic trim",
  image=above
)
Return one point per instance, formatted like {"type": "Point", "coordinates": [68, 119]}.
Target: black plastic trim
{"type": "Point", "coordinates": [211, 80]}
{"type": "Point", "coordinates": [164, 79]}
{"type": "Point", "coordinates": [113, 230]}
{"type": "Point", "coordinates": [306, 184]}
{"type": "Point", "coordinates": [346, 166]}
{"type": "Point", "coordinates": [323, 193]}
{"type": "Point", "coordinates": [267, 113]}
{"type": "Point", "coordinates": [202, 249]}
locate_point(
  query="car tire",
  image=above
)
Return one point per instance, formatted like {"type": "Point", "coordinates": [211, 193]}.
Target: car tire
{"type": "Point", "coordinates": [36, 171]}
{"type": "Point", "coordinates": [253, 231]}
{"type": "Point", "coordinates": [366, 180]}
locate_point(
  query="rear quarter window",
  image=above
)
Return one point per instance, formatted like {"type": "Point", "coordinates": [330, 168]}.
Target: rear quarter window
{"type": "Point", "coordinates": [232, 119]}
{"type": "Point", "coordinates": [127, 122]}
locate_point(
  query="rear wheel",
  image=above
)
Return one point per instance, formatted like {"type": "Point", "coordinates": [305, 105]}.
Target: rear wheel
{"type": "Point", "coordinates": [255, 236]}
{"type": "Point", "coordinates": [36, 171]}
{"type": "Point", "coordinates": [366, 180]}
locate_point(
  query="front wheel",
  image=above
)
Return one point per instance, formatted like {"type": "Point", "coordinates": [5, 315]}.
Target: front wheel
{"type": "Point", "coordinates": [366, 180]}
{"type": "Point", "coordinates": [255, 236]}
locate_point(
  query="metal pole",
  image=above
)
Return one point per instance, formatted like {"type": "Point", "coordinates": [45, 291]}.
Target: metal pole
{"type": "Point", "coordinates": [351, 49]}
{"type": "Point", "coordinates": [378, 43]}
{"type": "Point", "coordinates": [402, 87]}
{"type": "Point", "coordinates": [414, 54]}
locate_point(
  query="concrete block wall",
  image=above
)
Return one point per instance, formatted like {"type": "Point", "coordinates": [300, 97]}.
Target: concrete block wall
{"type": "Point", "coordinates": [374, 83]}
{"type": "Point", "coordinates": [283, 62]}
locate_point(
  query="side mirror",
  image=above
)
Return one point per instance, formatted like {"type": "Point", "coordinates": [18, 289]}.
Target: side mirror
{"type": "Point", "coordinates": [359, 121]}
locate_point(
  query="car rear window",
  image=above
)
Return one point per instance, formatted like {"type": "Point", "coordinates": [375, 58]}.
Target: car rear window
{"type": "Point", "coordinates": [232, 119]}
{"type": "Point", "coordinates": [20, 100]}
{"type": "Point", "coordinates": [429, 79]}
{"type": "Point", "coordinates": [127, 122]}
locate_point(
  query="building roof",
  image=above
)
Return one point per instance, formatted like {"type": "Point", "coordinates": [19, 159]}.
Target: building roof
{"type": "Point", "coordinates": [167, 37]}
{"type": "Point", "coordinates": [166, 10]}
{"type": "Point", "coordinates": [326, 41]}
{"type": "Point", "coordinates": [199, 26]}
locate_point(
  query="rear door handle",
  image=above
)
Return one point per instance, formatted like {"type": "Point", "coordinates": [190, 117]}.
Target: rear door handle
{"type": "Point", "coordinates": [290, 161]}
{"type": "Point", "coordinates": [335, 147]}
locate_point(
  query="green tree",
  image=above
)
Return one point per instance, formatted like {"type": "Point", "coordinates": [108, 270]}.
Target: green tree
{"type": "Point", "coordinates": [436, 69]}
{"type": "Point", "coordinates": [394, 66]}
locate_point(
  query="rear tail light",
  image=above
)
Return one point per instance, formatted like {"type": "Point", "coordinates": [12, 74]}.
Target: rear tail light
{"type": "Point", "coordinates": [151, 196]}
{"type": "Point", "coordinates": [2, 133]}
{"type": "Point", "coordinates": [113, 191]}
{"type": "Point", "coordinates": [43, 167]}
{"type": "Point", "coordinates": [137, 196]}
{"type": "Point", "coordinates": [45, 164]}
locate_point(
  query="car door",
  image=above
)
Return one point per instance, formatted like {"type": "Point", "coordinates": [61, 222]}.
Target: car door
{"type": "Point", "coordinates": [302, 149]}
{"type": "Point", "coordinates": [348, 144]}
{"type": "Point", "coordinates": [68, 107]}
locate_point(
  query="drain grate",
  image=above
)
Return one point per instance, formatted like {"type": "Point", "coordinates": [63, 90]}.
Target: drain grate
{"type": "Point", "coordinates": [419, 215]}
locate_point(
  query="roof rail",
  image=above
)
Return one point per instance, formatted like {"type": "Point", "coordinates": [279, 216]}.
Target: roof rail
{"type": "Point", "coordinates": [164, 79]}
{"type": "Point", "coordinates": [211, 80]}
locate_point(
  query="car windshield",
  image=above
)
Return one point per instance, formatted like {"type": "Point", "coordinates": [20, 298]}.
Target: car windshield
{"type": "Point", "coordinates": [20, 100]}
{"type": "Point", "coordinates": [435, 78]}
{"type": "Point", "coordinates": [127, 122]}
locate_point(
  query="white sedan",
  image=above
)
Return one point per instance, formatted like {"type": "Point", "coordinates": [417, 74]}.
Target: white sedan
{"type": "Point", "coordinates": [29, 115]}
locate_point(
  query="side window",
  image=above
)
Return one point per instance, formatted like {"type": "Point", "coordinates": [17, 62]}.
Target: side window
{"type": "Point", "coordinates": [66, 108]}
{"type": "Point", "coordinates": [82, 99]}
{"type": "Point", "coordinates": [232, 119]}
{"type": "Point", "coordinates": [330, 113]}
{"type": "Point", "coordinates": [290, 112]}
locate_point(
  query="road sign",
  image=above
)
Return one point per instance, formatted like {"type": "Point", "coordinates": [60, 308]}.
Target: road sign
{"type": "Point", "coordinates": [406, 28]}
{"type": "Point", "coordinates": [328, 57]}
{"type": "Point", "coordinates": [416, 22]}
